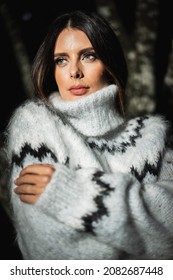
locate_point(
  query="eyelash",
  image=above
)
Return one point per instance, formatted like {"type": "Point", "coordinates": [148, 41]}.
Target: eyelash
{"type": "Point", "coordinates": [91, 56]}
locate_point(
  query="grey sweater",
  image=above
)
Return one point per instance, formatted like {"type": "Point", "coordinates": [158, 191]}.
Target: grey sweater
{"type": "Point", "coordinates": [111, 196]}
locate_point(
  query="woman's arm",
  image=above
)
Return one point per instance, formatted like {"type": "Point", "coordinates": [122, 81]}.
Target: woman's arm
{"type": "Point", "coordinates": [114, 208]}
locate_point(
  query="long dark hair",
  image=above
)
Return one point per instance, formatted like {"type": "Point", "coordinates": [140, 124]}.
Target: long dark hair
{"type": "Point", "coordinates": [104, 41]}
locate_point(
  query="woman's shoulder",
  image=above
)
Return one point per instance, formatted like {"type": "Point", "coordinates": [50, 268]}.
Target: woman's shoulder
{"type": "Point", "coordinates": [33, 111]}
{"type": "Point", "coordinates": [147, 132]}
{"type": "Point", "coordinates": [32, 124]}
{"type": "Point", "coordinates": [31, 106]}
{"type": "Point", "coordinates": [149, 124]}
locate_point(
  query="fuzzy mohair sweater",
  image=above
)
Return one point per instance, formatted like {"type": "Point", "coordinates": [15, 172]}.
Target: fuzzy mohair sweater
{"type": "Point", "coordinates": [111, 195]}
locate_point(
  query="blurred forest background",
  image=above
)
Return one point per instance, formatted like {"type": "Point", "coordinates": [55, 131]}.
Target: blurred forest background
{"type": "Point", "coordinates": [145, 29]}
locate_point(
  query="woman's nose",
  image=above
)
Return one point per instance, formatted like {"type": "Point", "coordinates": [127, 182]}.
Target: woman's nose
{"type": "Point", "coordinates": [76, 71]}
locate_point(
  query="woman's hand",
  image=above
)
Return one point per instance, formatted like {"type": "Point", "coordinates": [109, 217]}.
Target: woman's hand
{"type": "Point", "coordinates": [32, 181]}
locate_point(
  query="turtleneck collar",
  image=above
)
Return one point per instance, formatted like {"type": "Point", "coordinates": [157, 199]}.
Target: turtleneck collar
{"type": "Point", "coordinates": [91, 115]}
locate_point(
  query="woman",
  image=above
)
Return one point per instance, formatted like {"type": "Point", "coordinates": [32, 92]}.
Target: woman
{"type": "Point", "coordinates": [85, 182]}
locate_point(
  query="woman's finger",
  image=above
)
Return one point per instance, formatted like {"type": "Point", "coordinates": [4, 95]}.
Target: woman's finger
{"type": "Point", "coordinates": [30, 199]}
{"type": "Point", "coordinates": [29, 189]}
{"type": "Point", "coordinates": [46, 169]}
{"type": "Point", "coordinates": [39, 180]}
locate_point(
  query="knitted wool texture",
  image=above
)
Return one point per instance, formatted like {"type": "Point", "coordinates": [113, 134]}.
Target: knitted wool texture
{"type": "Point", "coordinates": [111, 195]}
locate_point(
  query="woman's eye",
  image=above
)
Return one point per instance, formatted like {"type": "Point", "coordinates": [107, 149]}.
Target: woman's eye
{"type": "Point", "coordinates": [90, 56]}
{"type": "Point", "coordinates": [60, 60]}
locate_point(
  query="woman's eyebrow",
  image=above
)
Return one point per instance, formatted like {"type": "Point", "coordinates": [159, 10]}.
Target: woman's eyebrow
{"type": "Point", "coordinates": [86, 50]}
{"type": "Point", "coordinates": [80, 52]}
{"type": "Point", "coordinates": [60, 54]}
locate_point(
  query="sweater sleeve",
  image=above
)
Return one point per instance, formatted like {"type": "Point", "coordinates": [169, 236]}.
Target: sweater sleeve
{"type": "Point", "coordinates": [115, 208]}
{"type": "Point", "coordinates": [106, 210]}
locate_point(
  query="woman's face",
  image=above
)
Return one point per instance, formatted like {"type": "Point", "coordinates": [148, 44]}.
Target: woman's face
{"type": "Point", "coordinates": [78, 70]}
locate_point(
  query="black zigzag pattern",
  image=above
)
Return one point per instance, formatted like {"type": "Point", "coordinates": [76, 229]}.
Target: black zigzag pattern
{"type": "Point", "coordinates": [122, 147]}
{"type": "Point", "coordinates": [102, 210]}
{"type": "Point", "coordinates": [40, 153]}
{"type": "Point", "coordinates": [153, 169]}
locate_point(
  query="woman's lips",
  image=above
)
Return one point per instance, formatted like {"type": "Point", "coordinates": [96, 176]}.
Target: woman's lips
{"type": "Point", "coordinates": [78, 90]}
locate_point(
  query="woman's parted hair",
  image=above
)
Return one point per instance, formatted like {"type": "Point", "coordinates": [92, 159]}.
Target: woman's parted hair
{"type": "Point", "coordinates": [103, 39]}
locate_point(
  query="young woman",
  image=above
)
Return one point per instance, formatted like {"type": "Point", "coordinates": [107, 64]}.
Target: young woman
{"type": "Point", "coordinates": [85, 182]}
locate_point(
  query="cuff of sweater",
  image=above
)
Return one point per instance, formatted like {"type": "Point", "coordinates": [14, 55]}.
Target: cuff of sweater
{"type": "Point", "coordinates": [69, 195]}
